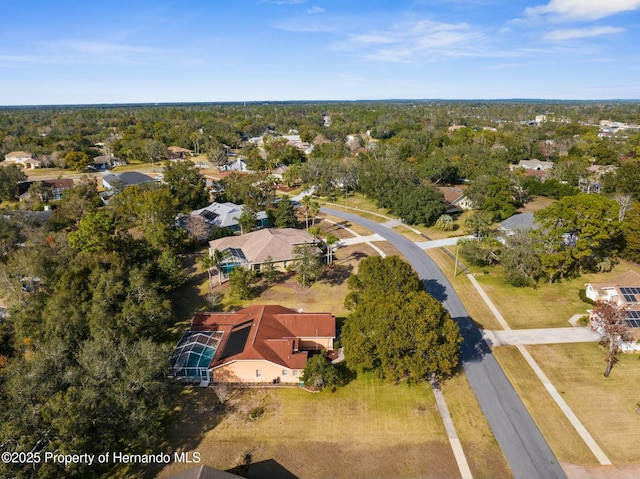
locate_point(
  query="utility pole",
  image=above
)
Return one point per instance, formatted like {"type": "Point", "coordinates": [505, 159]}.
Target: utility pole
{"type": "Point", "coordinates": [455, 266]}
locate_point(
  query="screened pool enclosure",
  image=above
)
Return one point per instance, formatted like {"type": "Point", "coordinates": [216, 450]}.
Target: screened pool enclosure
{"type": "Point", "coordinates": [193, 354]}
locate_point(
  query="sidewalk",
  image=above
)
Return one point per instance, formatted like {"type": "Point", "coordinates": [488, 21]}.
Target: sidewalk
{"type": "Point", "coordinates": [553, 392]}
{"type": "Point", "coordinates": [539, 336]}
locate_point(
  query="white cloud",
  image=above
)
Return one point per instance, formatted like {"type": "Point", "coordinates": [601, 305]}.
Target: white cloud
{"type": "Point", "coordinates": [583, 9]}
{"type": "Point", "coordinates": [314, 10]}
{"type": "Point", "coordinates": [411, 41]}
{"type": "Point", "coordinates": [571, 33]}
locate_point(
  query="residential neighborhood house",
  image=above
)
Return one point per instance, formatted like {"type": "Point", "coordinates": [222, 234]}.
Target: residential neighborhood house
{"type": "Point", "coordinates": [536, 165]}
{"type": "Point", "coordinates": [226, 215]}
{"type": "Point", "coordinates": [251, 250]}
{"type": "Point", "coordinates": [103, 162]}
{"type": "Point", "coordinates": [517, 222]}
{"type": "Point", "coordinates": [128, 178]}
{"type": "Point", "coordinates": [623, 290]}
{"type": "Point", "coordinates": [46, 189]}
{"type": "Point", "coordinates": [22, 158]}
{"type": "Point", "coordinates": [455, 199]}
{"type": "Point", "coordinates": [178, 153]}
{"type": "Point", "coordinates": [258, 344]}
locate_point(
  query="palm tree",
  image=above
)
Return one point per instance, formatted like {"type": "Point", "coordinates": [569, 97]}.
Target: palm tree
{"type": "Point", "coordinates": [314, 208]}
{"type": "Point", "coordinates": [217, 258]}
{"type": "Point", "coordinates": [315, 231]}
{"type": "Point", "coordinates": [207, 262]}
{"type": "Point", "coordinates": [306, 203]}
{"type": "Point", "coordinates": [445, 223]}
{"type": "Point", "coordinates": [330, 240]}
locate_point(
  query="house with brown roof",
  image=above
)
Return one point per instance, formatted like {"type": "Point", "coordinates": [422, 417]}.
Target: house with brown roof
{"type": "Point", "coordinates": [258, 344]}
{"type": "Point", "coordinates": [46, 189]}
{"type": "Point", "coordinates": [623, 290]}
{"type": "Point", "coordinates": [21, 158]}
{"type": "Point", "coordinates": [455, 199]}
{"type": "Point", "coordinates": [178, 153]}
{"type": "Point", "coordinates": [251, 250]}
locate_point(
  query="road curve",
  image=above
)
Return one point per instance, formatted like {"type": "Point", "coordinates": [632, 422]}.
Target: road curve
{"type": "Point", "coordinates": [526, 451]}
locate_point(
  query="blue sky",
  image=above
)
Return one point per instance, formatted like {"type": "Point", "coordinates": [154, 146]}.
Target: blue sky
{"type": "Point", "coordinates": [112, 51]}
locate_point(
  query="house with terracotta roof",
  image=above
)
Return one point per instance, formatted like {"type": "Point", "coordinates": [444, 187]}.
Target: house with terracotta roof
{"type": "Point", "coordinates": [253, 249]}
{"type": "Point", "coordinates": [257, 344]}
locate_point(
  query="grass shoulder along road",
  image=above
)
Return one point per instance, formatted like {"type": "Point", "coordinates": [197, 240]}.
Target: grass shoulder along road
{"type": "Point", "coordinates": [605, 406]}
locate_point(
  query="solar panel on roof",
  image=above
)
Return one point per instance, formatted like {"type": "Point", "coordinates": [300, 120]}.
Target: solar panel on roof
{"type": "Point", "coordinates": [629, 298]}
{"type": "Point", "coordinates": [210, 215]}
{"type": "Point", "coordinates": [633, 314]}
{"type": "Point", "coordinates": [633, 323]}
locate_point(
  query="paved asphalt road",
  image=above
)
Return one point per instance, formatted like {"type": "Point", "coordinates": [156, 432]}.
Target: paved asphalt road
{"type": "Point", "coordinates": [525, 449]}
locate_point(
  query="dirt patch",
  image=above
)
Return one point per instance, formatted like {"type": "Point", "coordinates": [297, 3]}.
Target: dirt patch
{"type": "Point", "coordinates": [388, 248]}
{"type": "Point", "coordinates": [538, 203]}
{"type": "Point", "coordinates": [575, 471]}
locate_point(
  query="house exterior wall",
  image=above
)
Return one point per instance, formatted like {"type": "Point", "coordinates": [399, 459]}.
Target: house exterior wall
{"type": "Point", "coordinates": [247, 372]}
{"type": "Point", "coordinates": [591, 293]}
{"type": "Point", "coordinates": [311, 344]}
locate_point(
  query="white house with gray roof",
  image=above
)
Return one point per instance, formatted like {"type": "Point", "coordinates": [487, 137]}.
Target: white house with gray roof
{"type": "Point", "coordinates": [226, 215]}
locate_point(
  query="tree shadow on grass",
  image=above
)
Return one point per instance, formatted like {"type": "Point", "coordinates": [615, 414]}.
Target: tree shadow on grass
{"type": "Point", "coordinates": [355, 255]}
{"type": "Point", "coordinates": [197, 411]}
{"type": "Point", "coordinates": [337, 274]}
{"type": "Point", "coordinates": [347, 375]}
{"type": "Point", "coordinates": [267, 469]}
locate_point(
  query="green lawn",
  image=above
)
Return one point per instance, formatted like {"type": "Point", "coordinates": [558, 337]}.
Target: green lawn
{"type": "Point", "coordinates": [555, 427]}
{"type": "Point", "coordinates": [604, 405]}
{"type": "Point", "coordinates": [369, 428]}
{"type": "Point", "coordinates": [473, 303]}
{"type": "Point", "coordinates": [548, 305]}
{"type": "Point", "coordinates": [482, 451]}
{"type": "Point", "coordinates": [360, 202]}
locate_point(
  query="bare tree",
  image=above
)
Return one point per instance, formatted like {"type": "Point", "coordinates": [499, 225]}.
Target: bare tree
{"type": "Point", "coordinates": [223, 391]}
{"type": "Point", "coordinates": [198, 228]}
{"type": "Point", "coordinates": [625, 202]}
{"type": "Point", "coordinates": [608, 319]}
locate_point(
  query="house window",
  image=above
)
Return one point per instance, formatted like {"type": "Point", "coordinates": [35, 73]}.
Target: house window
{"type": "Point", "coordinates": [258, 373]}
{"type": "Point", "coordinates": [295, 372]}
{"type": "Point", "coordinates": [284, 372]}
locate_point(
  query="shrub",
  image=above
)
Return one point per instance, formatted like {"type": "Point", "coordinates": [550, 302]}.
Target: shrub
{"type": "Point", "coordinates": [257, 412]}
{"type": "Point", "coordinates": [583, 296]}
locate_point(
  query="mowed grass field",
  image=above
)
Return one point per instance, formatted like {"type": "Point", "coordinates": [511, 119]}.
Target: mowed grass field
{"type": "Point", "coordinates": [606, 406]}
{"type": "Point", "coordinates": [547, 305]}
{"type": "Point", "coordinates": [367, 429]}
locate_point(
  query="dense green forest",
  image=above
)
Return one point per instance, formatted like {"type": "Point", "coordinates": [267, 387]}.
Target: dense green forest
{"type": "Point", "coordinates": [85, 344]}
